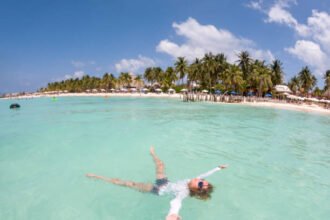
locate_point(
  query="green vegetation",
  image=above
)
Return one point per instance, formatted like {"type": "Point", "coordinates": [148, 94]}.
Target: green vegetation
{"type": "Point", "coordinates": [212, 72]}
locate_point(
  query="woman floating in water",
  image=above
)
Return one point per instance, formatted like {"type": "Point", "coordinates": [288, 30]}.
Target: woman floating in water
{"type": "Point", "coordinates": [196, 187]}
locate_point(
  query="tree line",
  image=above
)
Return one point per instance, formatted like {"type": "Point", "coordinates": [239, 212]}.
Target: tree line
{"type": "Point", "coordinates": [212, 72]}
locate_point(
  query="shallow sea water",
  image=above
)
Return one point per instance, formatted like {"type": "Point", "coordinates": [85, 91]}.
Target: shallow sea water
{"type": "Point", "coordinates": [279, 160]}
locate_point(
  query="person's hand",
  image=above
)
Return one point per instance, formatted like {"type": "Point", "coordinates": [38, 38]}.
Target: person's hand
{"type": "Point", "coordinates": [173, 217]}
{"type": "Point", "coordinates": [223, 166]}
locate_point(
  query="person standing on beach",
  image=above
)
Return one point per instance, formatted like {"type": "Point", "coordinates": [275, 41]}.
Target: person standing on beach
{"type": "Point", "coordinates": [197, 187]}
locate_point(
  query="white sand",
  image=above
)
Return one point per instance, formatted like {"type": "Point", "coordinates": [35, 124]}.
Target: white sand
{"type": "Point", "coordinates": [288, 106]}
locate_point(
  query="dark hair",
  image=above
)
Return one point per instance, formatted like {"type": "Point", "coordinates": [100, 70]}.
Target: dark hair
{"type": "Point", "coordinates": [203, 194]}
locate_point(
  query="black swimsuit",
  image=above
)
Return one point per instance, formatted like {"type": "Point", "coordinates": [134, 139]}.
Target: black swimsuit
{"type": "Point", "coordinates": [159, 183]}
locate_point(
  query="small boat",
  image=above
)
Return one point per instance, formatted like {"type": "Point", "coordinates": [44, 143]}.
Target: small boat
{"type": "Point", "coordinates": [15, 105]}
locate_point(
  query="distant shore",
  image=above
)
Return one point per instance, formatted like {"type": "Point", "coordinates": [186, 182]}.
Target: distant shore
{"type": "Point", "coordinates": [269, 104]}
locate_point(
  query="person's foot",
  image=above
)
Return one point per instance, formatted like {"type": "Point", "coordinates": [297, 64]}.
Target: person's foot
{"type": "Point", "coordinates": [90, 175]}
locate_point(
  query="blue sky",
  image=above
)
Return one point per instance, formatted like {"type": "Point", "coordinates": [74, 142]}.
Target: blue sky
{"type": "Point", "coordinates": [44, 41]}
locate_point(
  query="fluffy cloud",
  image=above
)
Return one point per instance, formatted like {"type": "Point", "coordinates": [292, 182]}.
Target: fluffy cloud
{"type": "Point", "coordinates": [314, 46]}
{"type": "Point", "coordinates": [310, 53]}
{"type": "Point", "coordinates": [134, 65]}
{"type": "Point", "coordinates": [257, 5]}
{"type": "Point", "coordinates": [76, 74]}
{"type": "Point", "coordinates": [279, 14]}
{"type": "Point", "coordinates": [201, 39]}
{"type": "Point", "coordinates": [319, 26]}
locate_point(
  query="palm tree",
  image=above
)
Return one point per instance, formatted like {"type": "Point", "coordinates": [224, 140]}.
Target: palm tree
{"type": "Point", "coordinates": [327, 80]}
{"type": "Point", "coordinates": [221, 66]}
{"type": "Point", "coordinates": [125, 79]}
{"type": "Point", "coordinates": [149, 75]}
{"type": "Point", "coordinates": [244, 62]}
{"type": "Point", "coordinates": [317, 92]}
{"type": "Point", "coordinates": [294, 84]}
{"type": "Point", "coordinates": [233, 78]}
{"type": "Point", "coordinates": [181, 66]}
{"type": "Point", "coordinates": [107, 81]}
{"type": "Point", "coordinates": [157, 73]}
{"type": "Point", "coordinates": [138, 81]}
{"type": "Point", "coordinates": [307, 79]}
{"type": "Point", "coordinates": [168, 78]}
{"type": "Point", "coordinates": [209, 70]}
{"type": "Point", "coordinates": [277, 72]}
{"type": "Point", "coordinates": [260, 77]}
{"type": "Point", "coordinates": [194, 71]}
{"type": "Point", "coordinates": [265, 83]}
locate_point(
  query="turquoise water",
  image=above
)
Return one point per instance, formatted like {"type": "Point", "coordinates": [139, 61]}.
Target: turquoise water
{"type": "Point", "coordinates": [279, 160]}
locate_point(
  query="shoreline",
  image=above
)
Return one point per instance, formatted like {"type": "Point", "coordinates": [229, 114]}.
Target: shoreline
{"type": "Point", "coordinates": [312, 108]}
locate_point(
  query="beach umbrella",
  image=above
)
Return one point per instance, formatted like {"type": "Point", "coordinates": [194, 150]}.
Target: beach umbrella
{"type": "Point", "coordinates": [204, 91]}
{"type": "Point", "coordinates": [218, 92]}
{"type": "Point", "coordinates": [133, 89]}
{"type": "Point", "coordinates": [295, 97]}
{"type": "Point", "coordinates": [112, 89]}
{"type": "Point", "coordinates": [170, 90]}
{"type": "Point", "coordinates": [282, 88]}
{"type": "Point", "coordinates": [312, 99]}
{"type": "Point", "coordinates": [184, 90]}
{"type": "Point", "coordinates": [158, 90]}
{"type": "Point", "coordinates": [195, 85]}
{"type": "Point", "coordinates": [145, 90]}
{"type": "Point", "coordinates": [325, 101]}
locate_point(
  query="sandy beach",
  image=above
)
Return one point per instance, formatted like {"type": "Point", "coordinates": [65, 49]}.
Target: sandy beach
{"type": "Point", "coordinates": [312, 108]}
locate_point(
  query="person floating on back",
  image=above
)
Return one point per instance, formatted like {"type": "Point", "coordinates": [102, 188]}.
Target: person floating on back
{"type": "Point", "coordinates": [197, 187]}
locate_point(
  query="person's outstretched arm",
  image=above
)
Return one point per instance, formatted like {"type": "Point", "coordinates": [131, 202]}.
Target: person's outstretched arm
{"type": "Point", "coordinates": [209, 173]}
{"type": "Point", "coordinates": [173, 214]}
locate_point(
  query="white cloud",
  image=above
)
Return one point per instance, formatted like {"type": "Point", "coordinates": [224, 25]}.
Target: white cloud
{"type": "Point", "coordinates": [76, 74]}
{"type": "Point", "coordinates": [314, 46]}
{"type": "Point", "coordinates": [311, 54]}
{"type": "Point", "coordinates": [257, 5]}
{"type": "Point", "coordinates": [279, 14]}
{"type": "Point", "coordinates": [286, 3]}
{"type": "Point", "coordinates": [201, 39]}
{"type": "Point", "coordinates": [319, 25]}
{"type": "Point", "coordinates": [134, 65]}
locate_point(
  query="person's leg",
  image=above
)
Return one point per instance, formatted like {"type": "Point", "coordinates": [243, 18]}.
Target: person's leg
{"type": "Point", "coordinates": [160, 167]}
{"type": "Point", "coordinates": [142, 187]}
